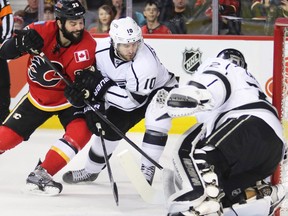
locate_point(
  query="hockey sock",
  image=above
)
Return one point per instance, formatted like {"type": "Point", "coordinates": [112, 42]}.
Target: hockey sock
{"type": "Point", "coordinates": [53, 162]}
{"type": "Point", "coordinates": [58, 156]}
{"type": "Point", "coordinates": [153, 145]}
{"type": "Point", "coordinates": [8, 138]}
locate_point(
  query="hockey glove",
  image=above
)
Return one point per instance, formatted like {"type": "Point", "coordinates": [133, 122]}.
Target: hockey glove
{"type": "Point", "coordinates": [91, 116]}
{"type": "Point", "coordinates": [29, 41]}
{"type": "Point", "coordinates": [95, 83]}
{"type": "Point", "coordinates": [75, 95]}
{"type": "Point", "coordinates": [188, 100]}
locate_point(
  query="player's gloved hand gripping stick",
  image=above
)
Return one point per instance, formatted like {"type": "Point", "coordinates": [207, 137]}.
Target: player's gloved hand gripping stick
{"type": "Point", "coordinates": [100, 115]}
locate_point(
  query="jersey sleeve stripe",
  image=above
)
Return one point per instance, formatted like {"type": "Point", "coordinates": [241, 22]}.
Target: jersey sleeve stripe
{"type": "Point", "coordinates": [224, 80]}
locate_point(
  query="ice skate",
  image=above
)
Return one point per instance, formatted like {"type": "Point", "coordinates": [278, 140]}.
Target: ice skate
{"type": "Point", "coordinates": [41, 183]}
{"type": "Point", "coordinates": [77, 176]}
{"type": "Point", "coordinates": [276, 192]}
{"type": "Point", "coordinates": [148, 172]}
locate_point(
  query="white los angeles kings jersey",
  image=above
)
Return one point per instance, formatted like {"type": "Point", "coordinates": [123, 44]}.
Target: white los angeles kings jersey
{"type": "Point", "coordinates": [235, 92]}
{"type": "Point", "coordinates": [135, 79]}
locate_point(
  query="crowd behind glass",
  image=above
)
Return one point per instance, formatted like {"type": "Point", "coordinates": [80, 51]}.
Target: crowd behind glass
{"type": "Point", "coordinates": [231, 17]}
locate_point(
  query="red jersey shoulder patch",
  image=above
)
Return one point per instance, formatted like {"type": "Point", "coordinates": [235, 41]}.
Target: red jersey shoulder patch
{"type": "Point", "coordinates": [81, 56]}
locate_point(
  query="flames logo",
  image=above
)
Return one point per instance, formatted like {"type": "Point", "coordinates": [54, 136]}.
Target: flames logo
{"type": "Point", "coordinates": [40, 72]}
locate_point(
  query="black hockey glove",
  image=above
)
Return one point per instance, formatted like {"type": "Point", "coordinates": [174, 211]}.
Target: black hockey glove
{"type": "Point", "coordinates": [92, 118]}
{"type": "Point", "coordinates": [29, 41]}
{"type": "Point", "coordinates": [76, 94]}
{"type": "Point", "coordinates": [95, 83]}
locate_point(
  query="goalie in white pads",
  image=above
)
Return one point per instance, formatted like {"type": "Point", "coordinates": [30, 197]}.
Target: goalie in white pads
{"type": "Point", "coordinates": [237, 142]}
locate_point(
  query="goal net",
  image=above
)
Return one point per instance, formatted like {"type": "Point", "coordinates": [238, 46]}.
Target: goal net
{"type": "Point", "coordinates": [280, 96]}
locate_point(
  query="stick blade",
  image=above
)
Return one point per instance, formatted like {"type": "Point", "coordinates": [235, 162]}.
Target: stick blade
{"type": "Point", "coordinates": [148, 193]}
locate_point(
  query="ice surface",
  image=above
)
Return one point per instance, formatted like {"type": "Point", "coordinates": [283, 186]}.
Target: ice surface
{"type": "Point", "coordinates": [93, 199]}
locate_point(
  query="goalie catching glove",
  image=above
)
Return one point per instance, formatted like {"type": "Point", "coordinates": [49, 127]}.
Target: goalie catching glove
{"type": "Point", "coordinates": [188, 100]}
{"type": "Point", "coordinates": [28, 41]}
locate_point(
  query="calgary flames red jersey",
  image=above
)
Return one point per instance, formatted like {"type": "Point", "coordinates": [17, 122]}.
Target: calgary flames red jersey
{"type": "Point", "coordinates": [161, 29]}
{"type": "Point", "coordinates": [46, 88]}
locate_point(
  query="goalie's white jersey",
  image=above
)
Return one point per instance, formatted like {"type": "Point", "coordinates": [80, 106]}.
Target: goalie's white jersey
{"type": "Point", "coordinates": [135, 79]}
{"type": "Point", "coordinates": [235, 92]}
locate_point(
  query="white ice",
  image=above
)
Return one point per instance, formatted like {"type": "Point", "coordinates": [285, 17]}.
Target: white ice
{"type": "Point", "coordinates": [93, 199]}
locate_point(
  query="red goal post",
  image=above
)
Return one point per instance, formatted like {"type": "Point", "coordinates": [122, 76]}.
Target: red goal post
{"type": "Point", "coordinates": [280, 95]}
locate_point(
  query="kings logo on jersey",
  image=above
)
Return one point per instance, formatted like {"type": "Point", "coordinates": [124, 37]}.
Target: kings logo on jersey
{"type": "Point", "coordinates": [81, 56]}
{"type": "Point", "coordinates": [191, 60]}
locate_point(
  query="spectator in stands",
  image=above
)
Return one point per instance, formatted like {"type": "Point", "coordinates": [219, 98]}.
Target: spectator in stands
{"type": "Point", "coordinates": [51, 2]}
{"type": "Point", "coordinates": [180, 16]}
{"type": "Point", "coordinates": [94, 5]}
{"type": "Point", "coordinates": [18, 19]}
{"type": "Point", "coordinates": [228, 10]}
{"type": "Point", "coordinates": [48, 12]}
{"type": "Point", "coordinates": [18, 23]}
{"type": "Point", "coordinates": [151, 13]}
{"type": "Point", "coordinates": [105, 16]}
{"type": "Point", "coordinates": [89, 15]}
{"type": "Point", "coordinates": [120, 8]}
{"type": "Point", "coordinates": [31, 12]}
{"type": "Point", "coordinates": [269, 11]}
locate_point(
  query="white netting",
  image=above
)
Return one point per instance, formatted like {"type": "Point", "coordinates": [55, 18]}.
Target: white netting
{"type": "Point", "coordinates": [284, 116]}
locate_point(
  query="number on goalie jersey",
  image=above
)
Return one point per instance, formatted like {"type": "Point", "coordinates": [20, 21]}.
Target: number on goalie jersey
{"type": "Point", "coordinates": [135, 68]}
{"type": "Point", "coordinates": [242, 139]}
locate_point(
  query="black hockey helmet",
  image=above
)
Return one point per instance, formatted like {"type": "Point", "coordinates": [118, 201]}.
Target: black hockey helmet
{"type": "Point", "coordinates": [233, 55]}
{"type": "Point", "coordinates": [69, 9]}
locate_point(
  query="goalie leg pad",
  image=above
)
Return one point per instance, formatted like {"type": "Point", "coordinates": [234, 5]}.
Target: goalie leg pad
{"type": "Point", "coordinates": [259, 207]}
{"type": "Point", "coordinates": [195, 190]}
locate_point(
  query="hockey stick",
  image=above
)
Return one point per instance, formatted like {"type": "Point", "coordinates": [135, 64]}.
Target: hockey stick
{"type": "Point", "coordinates": [113, 183]}
{"type": "Point", "coordinates": [99, 114]}
{"type": "Point", "coordinates": [148, 193]}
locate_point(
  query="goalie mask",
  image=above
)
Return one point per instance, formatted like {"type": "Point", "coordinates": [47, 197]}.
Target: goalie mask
{"type": "Point", "coordinates": [234, 56]}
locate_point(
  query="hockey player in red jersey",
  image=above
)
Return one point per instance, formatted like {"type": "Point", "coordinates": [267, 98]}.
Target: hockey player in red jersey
{"type": "Point", "coordinates": [238, 142]}
{"type": "Point", "coordinates": [71, 49]}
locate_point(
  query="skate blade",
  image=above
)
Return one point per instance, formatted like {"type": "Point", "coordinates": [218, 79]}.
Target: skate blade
{"type": "Point", "coordinates": [34, 190]}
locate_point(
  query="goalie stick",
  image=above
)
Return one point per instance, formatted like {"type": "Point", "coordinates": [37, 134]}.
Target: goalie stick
{"type": "Point", "coordinates": [99, 114]}
{"type": "Point", "coordinates": [148, 193]}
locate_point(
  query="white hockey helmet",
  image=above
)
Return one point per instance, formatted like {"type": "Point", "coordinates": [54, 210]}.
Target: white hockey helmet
{"type": "Point", "coordinates": [124, 31]}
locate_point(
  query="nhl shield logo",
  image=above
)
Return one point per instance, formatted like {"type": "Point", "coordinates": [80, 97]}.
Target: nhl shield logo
{"type": "Point", "coordinates": [191, 60]}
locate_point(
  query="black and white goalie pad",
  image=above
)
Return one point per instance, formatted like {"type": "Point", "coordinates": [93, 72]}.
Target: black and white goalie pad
{"type": "Point", "coordinates": [187, 100]}
{"type": "Point", "coordinates": [187, 188]}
